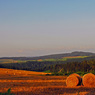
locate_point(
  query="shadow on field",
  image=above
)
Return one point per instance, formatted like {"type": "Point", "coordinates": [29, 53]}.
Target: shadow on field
{"type": "Point", "coordinates": [60, 91]}
{"type": "Point", "coordinates": [91, 92]}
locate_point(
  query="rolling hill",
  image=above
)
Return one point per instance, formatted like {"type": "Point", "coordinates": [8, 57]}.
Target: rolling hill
{"type": "Point", "coordinates": [53, 56]}
{"type": "Point", "coordinates": [44, 63]}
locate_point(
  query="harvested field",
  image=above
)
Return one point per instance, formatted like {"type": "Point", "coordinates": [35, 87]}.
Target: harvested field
{"type": "Point", "coordinates": [33, 83]}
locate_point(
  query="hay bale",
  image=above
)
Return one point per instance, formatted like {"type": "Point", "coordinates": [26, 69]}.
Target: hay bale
{"type": "Point", "coordinates": [89, 80]}
{"type": "Point", "coordinates": [73, 80]}
{"type": "Point", "coordinates": [79, 77]}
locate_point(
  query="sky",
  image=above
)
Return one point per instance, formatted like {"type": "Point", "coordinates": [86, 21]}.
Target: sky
{"type": "Point", "coordinates": [42, 27]}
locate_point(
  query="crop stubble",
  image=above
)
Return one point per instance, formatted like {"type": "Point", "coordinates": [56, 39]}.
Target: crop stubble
{"type": "Point", "coordinates": [33, 83]}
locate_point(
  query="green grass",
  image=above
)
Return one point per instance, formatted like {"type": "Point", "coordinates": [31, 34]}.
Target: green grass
{"type": "Point", "coordinates": [7, 93]}
{"type": "Point", "coordinates": [48, 71]}
{"type": "Point", "coordinates": [62, 59]}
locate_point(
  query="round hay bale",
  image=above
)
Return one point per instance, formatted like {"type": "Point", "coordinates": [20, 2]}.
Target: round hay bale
{"type": "Point", "coordinates": [89, 80]}
{"type": "Point", "coordinates": [72, 80]}
{"type": "Point", "coordinates": [79, 77]}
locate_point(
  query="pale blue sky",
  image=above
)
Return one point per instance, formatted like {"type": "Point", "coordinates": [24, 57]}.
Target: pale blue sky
{"type": "Point", "coordinates": [41, 27]}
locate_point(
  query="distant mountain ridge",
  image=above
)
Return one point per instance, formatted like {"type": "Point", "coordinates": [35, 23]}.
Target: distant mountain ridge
{"type": "Point", "coordinates": [53, 56]}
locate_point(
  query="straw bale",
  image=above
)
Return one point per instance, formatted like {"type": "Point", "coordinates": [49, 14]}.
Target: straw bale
{"type": "Point", "coordinates": [79, 77]}
{"type": "Point", "coordinates": [72, 80]}
{"type": "Point", "coordinates": [89, 80]}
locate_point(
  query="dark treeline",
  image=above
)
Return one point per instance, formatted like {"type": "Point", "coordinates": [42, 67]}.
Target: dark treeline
{"type": "Point", "coordinates": [71, 67]}
{"type": "Point", "coordinates": [30, 65]}
{"type": "Point", "coordinates": [54, 66]}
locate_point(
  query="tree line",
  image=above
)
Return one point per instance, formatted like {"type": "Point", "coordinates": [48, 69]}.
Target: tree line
{"type": "Point", "coordinates": [85, 66]}
{"type": "Point", "coordinates": [54, 66]}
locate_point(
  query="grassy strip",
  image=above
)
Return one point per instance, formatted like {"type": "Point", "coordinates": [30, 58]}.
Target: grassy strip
{"type": "Point", "coordinates": [7, 93]}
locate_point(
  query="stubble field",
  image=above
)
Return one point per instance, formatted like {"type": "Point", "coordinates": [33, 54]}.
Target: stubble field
{"type": "Point", "coordinates": [36, 83]}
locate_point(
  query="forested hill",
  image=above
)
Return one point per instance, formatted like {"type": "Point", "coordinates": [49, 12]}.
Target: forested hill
{"type": "Point", "coordinates": [53, 56]}
{"type": "Point", "coordinates": [68, 62]}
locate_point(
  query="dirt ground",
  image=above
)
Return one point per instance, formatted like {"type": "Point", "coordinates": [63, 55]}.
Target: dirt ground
{"type": "Point", "coordinates": [34, 83]}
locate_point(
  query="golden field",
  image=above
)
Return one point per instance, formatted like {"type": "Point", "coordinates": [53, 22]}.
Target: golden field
{"type": "Point", "coordinates": [37, 83]}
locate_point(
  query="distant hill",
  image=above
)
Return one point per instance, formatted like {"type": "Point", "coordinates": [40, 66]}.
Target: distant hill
{"type": "Point", "coordinates": [48, 62]}
{"type": "Point", "coordinates": [53, 56]}
{"type": "Point", "coordinates": [59, 56]}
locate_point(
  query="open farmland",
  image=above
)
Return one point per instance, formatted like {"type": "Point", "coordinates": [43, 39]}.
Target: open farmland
{"type": "Point", "coordinates": [2, 61]}
{"type": "Point", "coordinates": [36, 83]}
{"type": "Point", "coordinates": [63, 58]}
{"type": "Point", "coordinates": [74, 57]}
